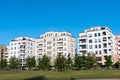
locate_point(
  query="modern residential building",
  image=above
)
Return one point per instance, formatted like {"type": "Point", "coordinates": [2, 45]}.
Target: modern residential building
{"type": "Point", "coordinates": [22, 48]}
{"type": "Point", "coordinates": [98, 40]}
{"type": "Point", "coordinates": [3, 52]}
{"type": "Point", "coordinates": [118, 45]}
{"type": "Point", "coordinates": [54, 43]}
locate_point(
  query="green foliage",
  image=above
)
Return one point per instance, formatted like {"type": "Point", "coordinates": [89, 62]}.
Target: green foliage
{"type": "Point", "coordinates": [68, 62]}
{"type": "Point", "coordinates": [85, 62]}
{"type": "Point", "coordinates": [60, 63]}
{"type": "Point", "coordinates": [90, 61]}
{"type": "Point", "coordinates": [13, 63]}
{"type": "Point", "coordinates": [78, 61]}
{"type": "Point", "coordinates": [116, 65]}
{"type": "Point", "coordinates": [44, 63]}
{"type": "Point", "coordinates": [30, 62]}
{"type": "Point", "coordinates": [108, 61]}
{"type": "Point", "coordinates": [3, 64]}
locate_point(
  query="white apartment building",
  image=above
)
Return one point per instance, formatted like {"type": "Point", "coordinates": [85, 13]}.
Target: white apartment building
{"type": "Point", "coordinates": [21, 48]}
{"type": "Point", "coordinates": [53, 43]}
{"type": "Point", "coordinates": [98, 40]}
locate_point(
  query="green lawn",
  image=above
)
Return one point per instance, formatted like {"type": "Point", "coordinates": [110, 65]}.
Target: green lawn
{"type": "Point", "coordinates": [52, 75]}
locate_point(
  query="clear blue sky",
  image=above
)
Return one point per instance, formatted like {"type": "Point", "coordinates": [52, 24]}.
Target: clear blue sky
{"type": "Point", "coordinates": [34, 17]}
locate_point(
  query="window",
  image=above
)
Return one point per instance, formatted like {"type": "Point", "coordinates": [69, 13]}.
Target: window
{"type": "Point", "coordinates": [11, 44]}
{"type": "Point", "coordinates": [14, 47]}
{"type": "Point", "coordinates": [98, 59]}
{"type": "Point", "coordinates": [90, 41]}
{"type": "Point", "coordinates": [64, 44]}
{"type": "Point", "coordinates": [100, 52]}
{"type": "Point", "coordinates": [65, 39]}
{"type": "Point", "coordinates": [49, 52]}
{"type": "Point", "coordinates": [96, 52]}
{"type": "Point", "coordinates": [90, 47]}
{"type": "Point", "coordinates": [11, 48]}
{"type": "Point", "coordinates": [44, 40]}
{"type": "Point", "coordinates": [24, 42]}
{"type": "Point", "coordinates": [105, 51]}
{"type": "Point", "coordinates": [53, 39]}
{"type": "Point", "coordinates": [64, 49]}
{"type": "Point", "coordinates": [49, 42]}
{"type": "Point", "coordinates": [99, 46]}
{"type": "Point", "coordinates": [53, 49]}
{"type": "Point", "coordinates": [95, 35]}
{"type": "Point", "coordinates": [95, 40]}
{"type": "Point", "coordinates": [55, 34]}
{"type": "Point", "coordinates": [98, 34]}
{"type": "Point", "coordinates": [53, 44]}
{"type": "Point", "coordinates": [99, 40]}
{"type": "Point", "coordinates": [90, 35]}
{"type": "Point", "coordinates": [95, 46]}
{"type": "Point", "coordinates": [49, 47]}
{"type": "Point", "coordinates": [104, 33]}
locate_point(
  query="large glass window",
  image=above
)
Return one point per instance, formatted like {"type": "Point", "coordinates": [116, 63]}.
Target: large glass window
{"type": "Point", "coordinates": [96, 52]}
{"type": "Point", "coordinates": [99, 46]}
{"type": "Point", "coordinates": [90, 47]}
{"type": "Point", "coordinates": [90, 41]}
{"type": "Point", "coordinates": [95, 46]}
{"type": "Point", "coordinates": [100, 52]}
{"type": "Point", "coordinates": [90, 35]}
{"type": "Point", "coordinates": [98, 59]}
{"type": "Point", "coordinates": [95, 40]}
{"type": "Point", "coordinates": [98, 34]}
{"type": "Point", "coordinates": [95, 35]}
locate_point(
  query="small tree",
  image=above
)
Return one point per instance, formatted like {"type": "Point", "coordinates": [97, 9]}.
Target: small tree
{"type": "Point", "coordinates": [108, 61]}
{"type": "Point", "coordinates": [30, 62]}
{"type": "Point", "coordinates": [78, 62]}
{"type": "Point", "coordinates": [3, 64]}
{"type": "Point", "coordinates": [60, 63]}
{"type": "Point", "coordinates": [14, 63]}
{"type": "Point", "coordinates": [44, 63]}
{"type": "Point", "coordinates": [84, 61]}
{"type": "Point", "coordinates": [90, 61]}
{"type": "Point", "coordinates": [68, 62]}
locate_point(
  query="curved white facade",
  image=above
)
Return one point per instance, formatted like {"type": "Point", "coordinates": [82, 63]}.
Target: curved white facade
{"type": "Point", "coordinates": [98, 40]}
{"type": "Point", "coordinates": [21, 48]}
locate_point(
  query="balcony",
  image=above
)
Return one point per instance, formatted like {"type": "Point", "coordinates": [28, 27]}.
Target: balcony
{"type": "Point", "coordinates": [39, 46]}
{"type": "Point", "coordinates": [82, 48]}
{"type": "Point", "coordinates": [59, 43]}
{"type": "Point", "coordinates": [109, 35]}
{"type": "Point", "coordinates": [39, 51]}
{"type": "Point", "coordinates": [59, 49]}
{"type": "Point", "coordinates": [22, 48]}
{"type": "Point", "coordinates": [82, 37]}
{"type": "Point", "coordinates": [81, 42]}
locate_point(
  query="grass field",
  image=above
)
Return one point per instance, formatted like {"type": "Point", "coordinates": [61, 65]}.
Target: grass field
{"type": "Point", "coordinates": [52, 75]}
